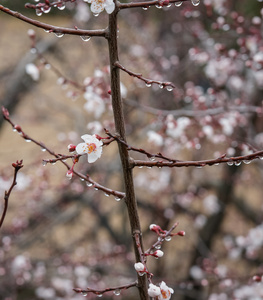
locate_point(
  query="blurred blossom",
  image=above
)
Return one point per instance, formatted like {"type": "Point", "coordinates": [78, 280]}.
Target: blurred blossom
{"type": "Point", "coordinates": [33, 71]}
{"type": "Point", "coordinates": [82, 271]}
{"type": "Point", "coordinates": [45, 293]}
{"type": "Point", "coordinates": [200, 221]}
{"type": "Point", "coordinates": [20, 264]}
{"type": "Point", "coordinates": [23, 181]}
{"type": "Point", "coordinates": [95, 103]}
{"type": "Point", "coordinates": [82, 12]}
{"type": "Point", "coordinates": [155, 138]}
{"type": "Point", "coordinates": [94, 127]}
{"type": "Point", "coordinates": [197, 273]}
{"type": "Point", "coordinates": [62, 284]}
{"type": "Point", "coordinates": [211, 204]}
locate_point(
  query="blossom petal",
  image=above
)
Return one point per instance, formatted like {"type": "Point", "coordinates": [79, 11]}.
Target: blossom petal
{"type": "Point", "coordinates": [92, 157]}
{"type": "Point", "coordinates": [110, 7]}
{"type": "Point", "coordinates": [81, 148]}
{"type": "Point", "coordinates": [97, 7]}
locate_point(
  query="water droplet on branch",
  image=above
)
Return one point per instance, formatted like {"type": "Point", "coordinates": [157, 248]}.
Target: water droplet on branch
{"type": "Point", "coordinates": [117, 292]}
{"type": "Point", "coordinates": [178, 3]}
{"type": "Point", "coordinates": [59, 34]}
{"type": "Point", "coordinates": [195, 2]}
{"type": "Point", "coordinates": [85, 38]}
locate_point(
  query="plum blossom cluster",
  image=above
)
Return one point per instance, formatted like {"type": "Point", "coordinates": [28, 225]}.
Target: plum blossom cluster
{"type": "Point", "coordinates": [162, 291]}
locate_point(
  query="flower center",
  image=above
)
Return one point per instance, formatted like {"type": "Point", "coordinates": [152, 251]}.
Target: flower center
{"type": "Point", "coordinates": [165, 294]}
{"type": "Point", "coordinates": [91, 147]}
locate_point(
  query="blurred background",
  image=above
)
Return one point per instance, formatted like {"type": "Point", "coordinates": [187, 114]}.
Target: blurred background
{"type": "Point", "coordinates": [60, 233]}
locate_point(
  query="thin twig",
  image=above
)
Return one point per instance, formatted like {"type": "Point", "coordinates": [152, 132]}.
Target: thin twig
{"type": "Point", "coordinates": [59, 157]}
{"type": "Point", "coordinates": [147, 81]}
{"type": "Point", "coordinates": [18, 165]}
{"type": "Point", "coordinates": [100, 292]}
{"type": "Point", "coordinates": [51, 28]}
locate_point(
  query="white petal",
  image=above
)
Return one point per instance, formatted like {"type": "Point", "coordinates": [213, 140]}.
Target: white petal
{"type": "Point", "coordinates": [97, 7]}
{"type": "Point", "coordinates": [92, 157]}
{"type": "Point", "coordinates": [87, 138]}
{"type": "Point", "coordinates": [80, 149]}
{"type": "Point", "coordinates": [110, 8]}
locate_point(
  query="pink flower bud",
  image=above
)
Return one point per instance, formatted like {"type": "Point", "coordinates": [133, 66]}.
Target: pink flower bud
{"type": "Point", "coordinates": [71, 148]}
{"type": "Point", "coordinates": [17, 128]}
{"type": "Point", "coordinates": [154, 227]}
{"type": "Point", "coordinates": [158, 253]}
{"type": "Point", "coordinates": [257, 278]}
{"type": "Point", "coordinates": [181, 233]}
{"type": "Point", "coordinates": [69, 174]}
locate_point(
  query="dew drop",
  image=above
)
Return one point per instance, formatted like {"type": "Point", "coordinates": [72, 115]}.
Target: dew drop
{"type": "Point", "coordinates": [141, 273]}
{"type": "Point", "coordinates": [85, 294]}
{"type": "Point", "coordinates": [38, 12]}
{"type": "Point", "coordinates": [28, 140]}
{"type": "Point", "coordinates": [53, 163]}
{"type": "Point", "coordinates": [261, 157]}
{"type": "Point", "coordinates": [64, 160]}
{"type": "Point", "coordinates": [161, 86]}
{"type": "Point", "coordinates": [178, 3]}
{"type": "Point", "coordinates": [59, 34]}
{"type": "Point", "coordinates": [230, 163]}
{"type": "Point", "coordinates": [85, 38]}
{"type": "Point", "coordinates": [61, 6]}
{"type": "Point", "coordinates": [247, 162]}
{"type": "Point", "coordinates": [44, 163]}
{"type": "Point", "coordinates": [89, 184]}
{"type": "Point", "coordinates": [117, 198]}
{"type": "Point", "coordinates": [14, 130]}
{"type": "Point", "coordinates": [168, 238]}
{"type": "Point", "coordinates": [237, 163]}
{"type": "Point", "coordinates": [107, 195]}
{"type": "Point", "coordinates": [148, 84]}
{"type": "Point", "coordinates": [169, 88]}
{"type": "Point", "coordinates": [145, 8]}
{"type": "Point", "coordinates": [117, 292]}
{"type": "Point", "coordinates": [43, 149]}
{"type": "Point", "coordinates": [158, 247]}
{"type": "Point", "coordinates": [140, 167]}
{"type": "Point", "coordinates": [82, 179]}
{"type": "Point", "coordinates": [149, 167]}
{"type": "Point", "coordinates": [158, 6]}
{"type": "Point", "coordinates": [96, 189]}
{"type": "Point", "coordinates": [95, 15]}
{"type": "Point", "coordinates": [169, 5]}
{"type": "Point", "coordinates": [99, 295]}
{"type": "Point", "coordinates": [152, 159]}
{"type": "Point", "coordinates": [46, 10]}
{"type": "Point", "coordinates": [195, 2]}
{"type": "Point", "coordinates": [47, 66]}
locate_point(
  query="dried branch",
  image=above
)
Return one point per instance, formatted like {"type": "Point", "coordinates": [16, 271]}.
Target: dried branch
{"type": "Point", "coordinates": [59, 157]}
{"type": "Point", "coordinates": [51, 28]}
{"type": "Point", "coordinates": [18, 165]}
{"type": "Point", "coordinates": [148, 82]}
{"type": "Point", "coordinates": [116, 290]}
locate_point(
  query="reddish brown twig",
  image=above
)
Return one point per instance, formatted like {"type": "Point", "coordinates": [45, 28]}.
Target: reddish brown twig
{"type": "Point", "coordinates": [51, 28]}
{"type": "Point", "coordinates": [59, 157]}
{"type": "Point", "coordinates": [162, 84]}
{"type": "Point", "coordinates": [17, 166]}
{"type": "Point", "coordinates": [116, 290]}
{"type": "Point", "coordinates": [148, 3]}
{"type": "Point", "coordinates": [179, 163]}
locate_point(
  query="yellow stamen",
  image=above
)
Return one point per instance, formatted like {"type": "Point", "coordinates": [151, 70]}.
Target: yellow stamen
{"type": "Point", "coordinates": [91, 147]}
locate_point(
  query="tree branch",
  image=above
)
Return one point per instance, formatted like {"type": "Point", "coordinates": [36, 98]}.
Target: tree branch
{"type": "Point", "coordinates": [51, 28]}
{"type": "Point", "coordinates": [18, 165]}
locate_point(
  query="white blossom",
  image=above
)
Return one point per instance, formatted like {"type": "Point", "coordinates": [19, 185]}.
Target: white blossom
{"type": "Point", "coordinates": [166, 292]}
{"type": "Point", "coordinates": [92, 147]}
{"type": "Point", "coordinates": [97, 6]}
{"type": "Point", "coordinates": [33, 71]}
{"type": "Point", "coordinates": [153, 290]}
{"type": "Point", "coordinates": [139, 267]}
{"type": "Point", "coordinates": [155, 138]}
